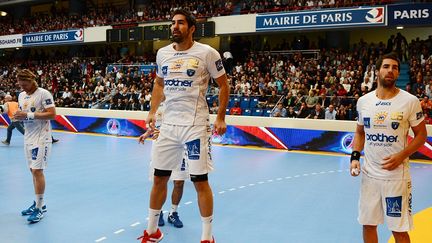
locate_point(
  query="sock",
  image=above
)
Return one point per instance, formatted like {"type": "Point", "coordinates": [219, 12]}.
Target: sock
{"type": "Point", "coordinates": [207, 228]}
{"type": "Point", "coordinates": [153, 220]}
{"type": "Point", "coordinates": [39, 200]}
{"type": "Point", "coordinates": [173, 209]}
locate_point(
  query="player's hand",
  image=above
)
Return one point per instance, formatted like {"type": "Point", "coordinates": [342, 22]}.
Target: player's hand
{"type": "Point", "coordinates": [144, 136]}
{"type": "Point", "coordinates": [392, 162]}
{"type": "Point", "coordinates": [155, 134]}
{"type": "Point", "coordinates": [355, 168]}
{"type": "Point", "coordinates": [20, 115]}
{"type": "Point", "coordinates": [151, 121]}
{"type": "Point", "coordinates": [219, 126]}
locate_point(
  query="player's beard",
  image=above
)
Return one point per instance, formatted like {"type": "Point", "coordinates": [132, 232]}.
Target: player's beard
{"type": "Point", "coordinates": [180, 37]}
{"type": "Point", "coordinates": [387, 83]}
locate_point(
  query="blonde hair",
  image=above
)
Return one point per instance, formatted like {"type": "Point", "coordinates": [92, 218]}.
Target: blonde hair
{"type": "Point", "coordinates": [26, 75]}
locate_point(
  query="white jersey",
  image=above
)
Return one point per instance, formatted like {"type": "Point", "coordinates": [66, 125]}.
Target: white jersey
{"type": "Point", "coordinates": [186, 76]}
{"type": "Point", "coordinates": [36, 131]}
{"type": "Point", "coordinates": [386, 125]}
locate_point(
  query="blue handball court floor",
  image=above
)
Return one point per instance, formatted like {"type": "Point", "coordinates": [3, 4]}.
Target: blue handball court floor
{"type": "Point", "coordinates": [98, 191]}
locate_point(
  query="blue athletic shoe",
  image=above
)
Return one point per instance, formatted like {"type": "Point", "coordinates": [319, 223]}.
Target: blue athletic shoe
{"type": "Point", "coordinates": [161, 219]}
{"type": "Point", "coordinates": [31, 209]}
{"type": "Point", "coordinates": [36, 216]}
{"type": "Point", "coordinates": [175, 220]}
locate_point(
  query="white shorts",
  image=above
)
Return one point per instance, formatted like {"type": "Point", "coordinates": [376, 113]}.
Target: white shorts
{"type": "Point", "coordinates": [174, 141]}
{"type": "Point", "coordinates": [389, 199]}
{"type": "Point", "coordinates": [179, 174]}
{"type": "Point", "coordinates": [37, 155]}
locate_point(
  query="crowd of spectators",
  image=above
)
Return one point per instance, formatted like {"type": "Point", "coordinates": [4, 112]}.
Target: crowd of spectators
{"type": "Point", "coordinates": [61, 19]}
{"type": "Point", "coordinates": [287, 85]}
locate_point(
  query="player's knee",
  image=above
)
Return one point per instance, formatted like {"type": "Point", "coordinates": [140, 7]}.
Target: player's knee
{"type": "Point", "coordinates": [162, 173]}
{"type": "Point", "coordinates": [400, 235]}
{"type": "Point", "coordinates": [178, 184]}
{"type": "Point", "coordinates": [198, 178]}
{"type": "Point", "coordinates": [369, 227]}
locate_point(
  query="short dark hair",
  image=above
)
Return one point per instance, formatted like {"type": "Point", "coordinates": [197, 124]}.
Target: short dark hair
{"type": "Point", "coordinates": [190, 19]}
{"type": "Point", "coordinates": [390, 55]}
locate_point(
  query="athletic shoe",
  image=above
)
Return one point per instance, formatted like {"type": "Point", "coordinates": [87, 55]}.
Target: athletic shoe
{"type": "Point", "coordinates": [207, 241]}
{"type": "Point", "coordinates": [36, 216]}
{"type": "Point", "coordinates": [5, 142]}
{"type": "Point", "coordinates": [161, 219]}
{"type": "Point", "coordinates": [175, 220]}
{"type": "Point", "coordinates": [54, 140]}
{"type": "Point", "coordinates": [153, 238]}
{"type": "Point", "coordinates": [31, 209]}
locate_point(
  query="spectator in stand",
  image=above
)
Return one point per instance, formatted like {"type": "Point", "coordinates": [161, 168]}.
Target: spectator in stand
{"type": "Point", "coordinates": [236, 110]}
{"type": "Point", "coordinates": [279, 111]}
{"type": "Point", "coordinates": [304, 111]}
{"type": "Point", "coordinates": [317, 113]}
{"type": "Point", "coordinates": [426, 105]}
{"type": "Point", "coordinates": [342, 113]}
{"type": "Point", "coordinates": [311, 100]}
{"type": "Point", "coordinates": [330, 113]}
{"type": "Point", "coordinates": [291, 112]}
{"type": "Point", "coordinates": [214, 108]}
{"type": "Point", "coordinates": [272, 100]}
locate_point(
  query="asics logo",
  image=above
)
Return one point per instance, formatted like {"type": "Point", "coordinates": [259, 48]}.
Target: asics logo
{"type": "Point", "coordinates": [383, 103]}
{"type": "Point", "coordinates": [381, 138]}
{"type": "Point", "coordinates": [177, 83]}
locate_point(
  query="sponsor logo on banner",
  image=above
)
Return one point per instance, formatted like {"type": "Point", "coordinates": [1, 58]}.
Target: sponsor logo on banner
{"type": "Point", "coordinates": [113, 126]}
{"type": "Point", "coordinates": [342, 18]}
{"type": "Point", "coordinates": [410, 14]}
{"type": "Point", "coordinates": [10, 41]}
{"type": "Point", "coordinates": [53, 37]}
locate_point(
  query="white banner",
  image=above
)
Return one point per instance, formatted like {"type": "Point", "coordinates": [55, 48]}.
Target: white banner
{"type": "Point", "coordinates": [10, 41]}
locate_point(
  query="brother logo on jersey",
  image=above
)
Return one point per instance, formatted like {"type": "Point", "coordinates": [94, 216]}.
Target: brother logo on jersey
{"type": "Point", "coordinates": [380, 137]}
{"type": "Point", "coordinates": [178, 83]}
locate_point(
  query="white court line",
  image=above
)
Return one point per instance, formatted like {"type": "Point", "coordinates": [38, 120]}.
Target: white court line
{"type": "Point", "coordinates": [261, 182]}
{"type": "Point", "coordinates": [331, 171]}
{"type": "Point", "coordinates": [323, 172]}
{"type": "Point", "coordinates": [296, 176]}
{"type": "Point", "coordinates": [101, 239]}
{"type": "Point", "coordinates": [305, 174]}
{"type": "Point", "coordinates": [232, 189]}
{"type": "Point", "coordinates": [187, 203]}
{"type": "Point", "coordinates": [314, 173]}
{"type": "Point", "coordinates": [135, 224]}
{"type": "Point", "coordinates": [251, 184]}
{"type": "Point", "coordinates": [221, 192]}
{"type": "Point", "coordinates": [288, 177]}
{"type": "Point", "coordinates": [270, 180]}
{"type": "Point", "coordinates": [279, 179]}
{"type": "Point", "coordinates": [339, 170]}
{"type": "Point", "coordinates": [119, 231]}
{"type": "Point", "coordinates": [241, 187]}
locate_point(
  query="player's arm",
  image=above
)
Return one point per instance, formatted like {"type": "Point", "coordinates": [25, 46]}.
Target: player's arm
{"type": "Point", "coordinates": [358, 145]}
{"type": "Point", "coordinates": [156, 98]}
{"type": "Point", "coordinates": [220, 125]}
{"type": "Point", "coordinates": [420, 135]}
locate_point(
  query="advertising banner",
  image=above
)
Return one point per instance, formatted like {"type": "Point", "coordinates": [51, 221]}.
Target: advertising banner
{"type": "Point", "coordinates": [53, 38]}
{"type": "Point", "coordinates": [410, 14]}
{"type": "Point", "coordinates": [11, 41]}
{"type": "Point", "coordinates": [337, 18]}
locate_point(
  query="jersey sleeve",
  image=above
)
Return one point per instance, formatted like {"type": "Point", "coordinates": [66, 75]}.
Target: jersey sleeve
{"type": "Point", "coordinates": [214, 63]}
{"type": "Point", "coordinates": [360, 115]}
{"type": "Point", "coordinates": [158, 64]}
{"type": "Point", "coordinates": [416, 115]}
{"type": "Point", "coordinates": [47, 100]}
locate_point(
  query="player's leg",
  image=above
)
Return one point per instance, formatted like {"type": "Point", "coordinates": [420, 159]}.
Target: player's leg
{"type": "Point", "coordinates": [177, 193]}
{"type": "Point", "coordinates": [401, 237]}
{"type": "Point", "coordinates": [19, 126]}
{"type": "Point", "coordinates": [370, 234]}
{"type": "Point", "coordinates": [398, 199]}
{"type": "Point", "coordinates": [370, 208]}
{"type": "Point", "coordinates": [37, 164]}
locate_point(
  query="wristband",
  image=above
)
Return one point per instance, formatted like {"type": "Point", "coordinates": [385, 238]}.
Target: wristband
{"type": "Point", "coordinates": [30, 116]}
{"type": "Point", "coordinates": [355, 155]}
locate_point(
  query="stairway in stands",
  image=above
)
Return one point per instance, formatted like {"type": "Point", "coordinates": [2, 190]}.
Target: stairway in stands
{"type": "Point", "coordinates": [403, 76]}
